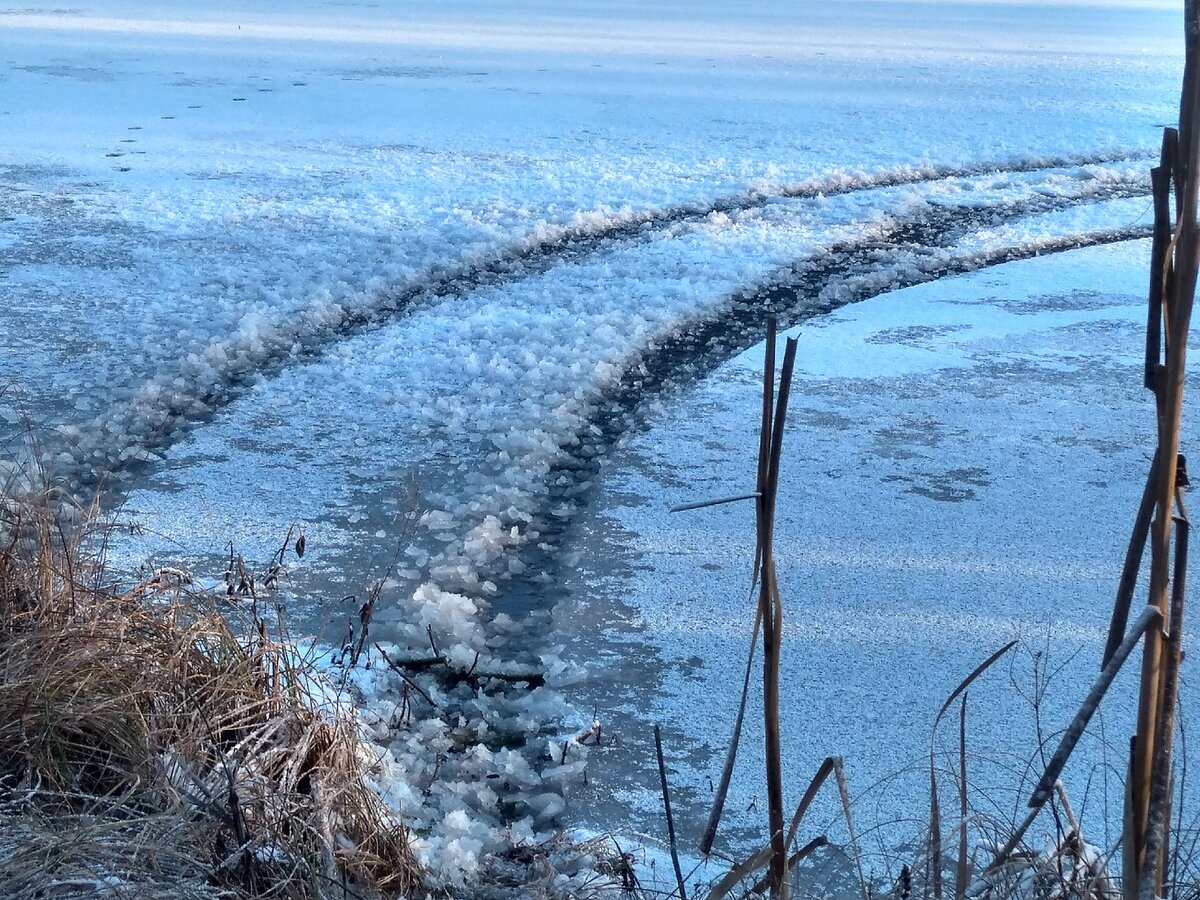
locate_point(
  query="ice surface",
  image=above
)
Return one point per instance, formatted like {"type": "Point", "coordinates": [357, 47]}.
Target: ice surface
{"type": "Point", "coordinates": [961, 468]}
{"type": "Point", "coordinates": [408, 273]}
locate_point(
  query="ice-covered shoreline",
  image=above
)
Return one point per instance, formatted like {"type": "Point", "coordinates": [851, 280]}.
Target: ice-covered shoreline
{"type": "Point", "coordinates": [213, 216]}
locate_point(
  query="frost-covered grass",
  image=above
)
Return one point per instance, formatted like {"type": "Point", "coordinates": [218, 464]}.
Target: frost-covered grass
{"type": "Point", "coordinates": [157, 740]}
{"type": "Point", "coordinates": [154, 746]}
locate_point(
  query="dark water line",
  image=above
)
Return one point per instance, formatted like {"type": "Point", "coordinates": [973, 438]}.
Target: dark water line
{"type": "Point", "coordinates": [901, 255]}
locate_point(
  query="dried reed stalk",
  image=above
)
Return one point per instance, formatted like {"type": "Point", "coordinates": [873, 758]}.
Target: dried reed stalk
{"type": "Point", "coordinates": [771, 608]}
{"type": "Point", "coordinates": [666, 795]}
{"type": "Point", "coordinates": [1173, 275]}
{"type": "Point", "coordinates": [768, 615]}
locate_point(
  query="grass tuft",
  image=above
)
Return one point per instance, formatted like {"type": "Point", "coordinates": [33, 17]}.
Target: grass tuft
{"type": "Point", "coordinates": [154, 744]}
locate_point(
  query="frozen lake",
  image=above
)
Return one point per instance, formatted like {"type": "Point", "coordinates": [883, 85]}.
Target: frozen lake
{"type": "Point", "coordinates": [502, 269]}
{"type": "Point", "coordinates": [933, 432]}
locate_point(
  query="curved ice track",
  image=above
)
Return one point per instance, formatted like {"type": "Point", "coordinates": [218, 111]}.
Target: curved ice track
{"type": "Point", "coordinates": [505, 395]}
{"type": "Point", "coordinates": [845, 274]}
{"type": "Point", "coordinates": [151, 417]}
{"type": "Point", "coordinates": [521, 382]}
{"type": "Point", "coordinates": [502, 511]}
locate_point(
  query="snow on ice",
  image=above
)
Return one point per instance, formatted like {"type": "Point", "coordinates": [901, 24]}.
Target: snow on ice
{"type": "Point", "coordinates": [383, 270]}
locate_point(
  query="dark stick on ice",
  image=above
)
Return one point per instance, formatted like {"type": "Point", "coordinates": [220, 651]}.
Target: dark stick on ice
{"type": "Point", "coordinates": [1160, 180]}
{"type": "Point", "coordinates": [407, 680]}
{"type": "Point", "coordinates": [703, 504]}
{"type": "Point", "coordinates": [771, 609]}
{"type": "Point", "coordinates": [764, 443]}
{"type": "Point", "coordinates": [1133, 563]}
{"type": "Point", "coordinates": [666, 795]}
{"type": "Point", "coordinates": [768, 406]}
{"type": "Point", "coordinates": [962, 869]}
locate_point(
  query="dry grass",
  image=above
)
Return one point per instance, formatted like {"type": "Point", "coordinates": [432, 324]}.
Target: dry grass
{"type": "Point", "coordinates": [150, 746]}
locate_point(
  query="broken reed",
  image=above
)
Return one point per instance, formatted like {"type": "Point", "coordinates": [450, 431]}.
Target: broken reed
{"type": "Point", "coordinates": [768, 619]}
{"type": "Point", "coordinates": [769, 613]}
{"type": "Point", "coordinates": [770, 606]}
{"type": "Point", "coordinates": [1173, 266]}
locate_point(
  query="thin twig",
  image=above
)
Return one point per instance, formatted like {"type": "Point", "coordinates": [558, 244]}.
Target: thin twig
{"type": "Point", "coordinates": [962, 873]}
{"type": "Point", "coordinates": [704, 504]}
{"type": "Point", "coordinates": [395, 667]}
{"type": "Point", "coordinates": [1149, 618]}
{"type": "Point", "coordinates": [666, 795]}
{"type": "Point", "coordinates": [1133, 563]}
